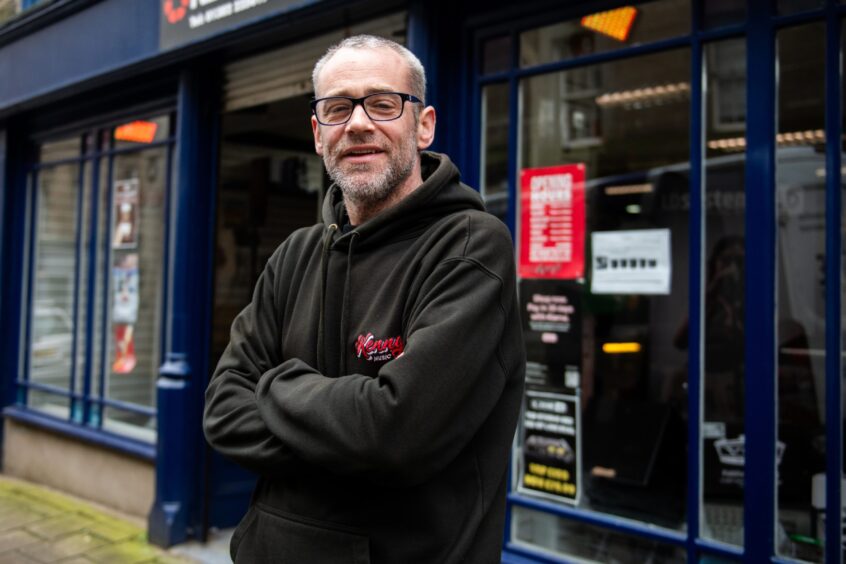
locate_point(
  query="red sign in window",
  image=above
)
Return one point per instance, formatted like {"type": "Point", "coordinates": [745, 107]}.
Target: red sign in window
{"type": "Point", "coordinates": [552, 222]}
{"type": "Point", "coordinates": [136, 131]}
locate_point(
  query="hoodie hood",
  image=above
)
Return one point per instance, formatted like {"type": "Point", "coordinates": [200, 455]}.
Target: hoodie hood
{"type": "Point", "coordinates": [441, 194]}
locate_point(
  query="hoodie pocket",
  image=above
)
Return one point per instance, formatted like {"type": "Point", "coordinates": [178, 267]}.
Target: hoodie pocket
{"type": "Point", "coordinates": [267, 535]}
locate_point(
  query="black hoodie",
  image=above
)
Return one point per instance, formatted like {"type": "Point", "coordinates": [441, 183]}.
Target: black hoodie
{"type": "Point", "coordinates": [374, 383]}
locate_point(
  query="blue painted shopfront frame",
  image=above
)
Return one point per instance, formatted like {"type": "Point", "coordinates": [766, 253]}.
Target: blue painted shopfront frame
{"type": "Point", "coordinates": [760, 30]}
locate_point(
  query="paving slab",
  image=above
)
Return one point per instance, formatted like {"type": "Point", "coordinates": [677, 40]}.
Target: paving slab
{"type": "Point", "coordinates": [76, 544]}
{"type": "Point", "coordinates": [59, 526]}
{"type": "Point", "coordinates": [126, 552]}
{"type": "Point", "coordinates": [15, 539]}
{"type": "Point", "coordinates": [38, 525]}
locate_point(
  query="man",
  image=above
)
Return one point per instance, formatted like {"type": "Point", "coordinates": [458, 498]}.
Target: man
{"type": "Point", "coordinates": [375, 379]}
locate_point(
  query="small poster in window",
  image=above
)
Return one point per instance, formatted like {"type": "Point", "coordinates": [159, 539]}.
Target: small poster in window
{"type": "Point", "coordinates": [552, 332]}
{"type": "Point", "coordinates": [552, 222]}
{"type": "Point", "coordinates": [125, 276]}
{"type": "Point", "coordinates": [125, 359]}
{"type": "Point", "coordinates": [125, 234]}
{"type": "Point", "coordinates": [551, 461]}
{"type": "Point", "coordinates": [631, 262]}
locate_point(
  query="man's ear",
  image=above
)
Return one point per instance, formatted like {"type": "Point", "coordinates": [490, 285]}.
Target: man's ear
{"type": "Point", "coordinates": [425, 128]}
{"type": "Point", "coordinates": [318, 141]}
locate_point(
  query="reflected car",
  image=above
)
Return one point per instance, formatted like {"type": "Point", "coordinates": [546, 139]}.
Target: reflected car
{"type": "Point", "coordinates": [52, 346]}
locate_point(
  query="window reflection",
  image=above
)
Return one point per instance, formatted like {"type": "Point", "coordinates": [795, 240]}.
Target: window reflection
{"type": "Point", "coordinates": [717, 13]}
{"type": "Point", "coordinates": [586, 542]}
{"type": "Point", "coordinates": [494, 167]}
{"type": "Point", "coordinates": [52, 313]}
{"type": "Point", "coordinates": [135, 293]}
{"type": "Point", "coordinates": [786, 7]}
{"type": "Point", "coordinates": [800, 258]}
{"type": "Point", "coordinates": [605, 31]}
{"type": "Point", "coordinates": [626, 123]}
{"type": "Point", "coordinates": [496, 54]}
{"type": "Point", "coordinates": [723, 317]}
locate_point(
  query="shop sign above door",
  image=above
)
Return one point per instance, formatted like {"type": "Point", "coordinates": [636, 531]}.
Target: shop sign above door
{"type": "Point", "coordinates": [184, 21]}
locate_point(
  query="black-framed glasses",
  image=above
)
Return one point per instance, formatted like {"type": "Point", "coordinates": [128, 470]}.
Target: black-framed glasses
{"type": "Point", "coordinates": [381, 106]}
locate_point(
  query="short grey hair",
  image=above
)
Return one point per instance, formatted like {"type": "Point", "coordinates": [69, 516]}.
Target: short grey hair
{"type": "Point", "coordinates": [416, 72]}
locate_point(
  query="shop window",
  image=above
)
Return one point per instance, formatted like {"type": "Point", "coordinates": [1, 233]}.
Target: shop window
{"type": "Point", "coordinates": [496, 54]}
{"type": "Point", "coordinates": [800, 282]}
{"type": "Point", "coordinates": [723, 339]}
{"type": "Point", "coordinates": [551, 533]}
{"type": "Point", "coordinates": [786, 7]}
{"type": "Point", "coordinates": [494, 165]}
{"type": "Point", "coordinates": [605, 31]}
{"type": "Point", "coordinates": [269, 186]}
{"type": "Point", "coordinates": [94, 318]}
{"type": "Point", "coordinates": [718, 13]}
{"type": "Point", "coordinates": [603, 247]}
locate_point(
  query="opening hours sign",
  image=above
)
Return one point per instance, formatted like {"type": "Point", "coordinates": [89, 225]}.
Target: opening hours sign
{"type": "Point", "coordinates": [552, 222]}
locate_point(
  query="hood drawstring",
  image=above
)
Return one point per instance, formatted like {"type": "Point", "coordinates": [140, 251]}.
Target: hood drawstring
{"type": "Point", "coordinates": [345, 306]}
{"type": "Point", "coordinates": [324, 275]}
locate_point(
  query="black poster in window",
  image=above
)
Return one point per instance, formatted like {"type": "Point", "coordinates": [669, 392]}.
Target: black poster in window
{"type": "Point", "coordinates": [552, 320]}
{"type": "Point", "coordinates": [551, 461]}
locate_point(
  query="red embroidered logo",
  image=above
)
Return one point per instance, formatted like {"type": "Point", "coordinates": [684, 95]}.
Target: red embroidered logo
{"type": "Point", "coordinates": [377, 350]}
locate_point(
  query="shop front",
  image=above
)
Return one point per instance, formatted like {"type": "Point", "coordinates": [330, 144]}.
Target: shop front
{"type": "Point", "coordinates": [678, 226]}
{"type": "Point", "coordinates": [670, 172]}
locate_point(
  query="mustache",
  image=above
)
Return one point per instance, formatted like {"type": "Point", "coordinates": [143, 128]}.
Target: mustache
{"type": "Point", "coordinates": [354, 139]}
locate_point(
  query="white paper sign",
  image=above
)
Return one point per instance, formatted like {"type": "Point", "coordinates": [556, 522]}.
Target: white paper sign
{"type": "Point", "coordinates": [631, 262]}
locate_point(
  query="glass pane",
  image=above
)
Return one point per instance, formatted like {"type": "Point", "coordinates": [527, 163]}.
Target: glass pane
{"type": "Point", "coordinates": [494, 173]}
{"type": "Point", "coordinates": [605, 31]}
{"type": "Point", "coordinates": [723, 323]}
{"type": "Point", "coordinates": [800, 258]}
{"type": "Point", "coordinates": [100, 287]}
{"type": "Point", "coordinates": [141, 132]}
{"type": "Point", "coordinates": [51, 324]}
{"type": "Point", "coordinates": [549, 533]}
{"type": "Point", "coordinates": [265, 193]}
{"type": "Point", "coordinates": [496, 54]}
{"type": "Point", "coordinates": [786, 7]}
{"type": "Point", "coordinates": [53, 404]}
{"type": "Point", "coordinates": [129, 424]}
{"type": "Point", "coordinates": [625, 126]}
{"type": "Point", "coordinates": [135, 291]}
{"type": "Point", "coordinates": [82, 292]}
{"type": "Point", "coordinates": [98, 312]}
{"type": "Point", "coordinates": [718, 13]}
{"type": "Point", "coordinates": [843, 255]}
{"type": "Point", "coordinates": [59, 150]}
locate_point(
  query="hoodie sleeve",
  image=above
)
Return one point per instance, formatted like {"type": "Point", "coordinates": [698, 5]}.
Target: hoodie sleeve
{"type": "Point", "coordinates": [231, 420]}
{"type": "Point", "coordinates": [423, 408]}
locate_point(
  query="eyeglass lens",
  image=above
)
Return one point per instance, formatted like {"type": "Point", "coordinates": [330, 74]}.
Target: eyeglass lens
{"type": "Point", "coordinates": [379, 107]}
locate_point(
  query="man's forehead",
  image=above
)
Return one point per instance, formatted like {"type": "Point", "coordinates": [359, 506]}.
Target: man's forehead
{"type": "Point", "coordinates": [363, 69]}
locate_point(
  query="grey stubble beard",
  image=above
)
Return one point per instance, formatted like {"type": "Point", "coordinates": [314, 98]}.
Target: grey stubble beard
{"type": "Point", "coordinates": [365, 188]}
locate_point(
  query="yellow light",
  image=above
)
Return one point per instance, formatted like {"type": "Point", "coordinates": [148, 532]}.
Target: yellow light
{"type": "Point", "coordinates": [620, 348]}
{"type": "Point", "coordinates": [136, 131]}
{"type": "Point", "coordinates": [615, 23]}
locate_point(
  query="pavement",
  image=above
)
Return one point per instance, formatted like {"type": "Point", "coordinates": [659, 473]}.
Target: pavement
{"type": "Point", "coordinates": [40, 525]}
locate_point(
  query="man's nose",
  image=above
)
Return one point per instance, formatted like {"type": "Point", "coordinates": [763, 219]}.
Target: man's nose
{"type": "Point", "coordinates": [359, 120]}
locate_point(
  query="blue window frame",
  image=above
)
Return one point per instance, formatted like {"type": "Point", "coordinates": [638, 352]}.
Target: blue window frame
{"type": "Point", "coordinates": [93, 335]}
{"type": "Point", "coordinates": [750, 30]}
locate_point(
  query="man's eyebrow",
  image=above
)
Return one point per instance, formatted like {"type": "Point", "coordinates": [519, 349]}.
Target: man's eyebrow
{"type": "Point", "coordinates": [369, 90]}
